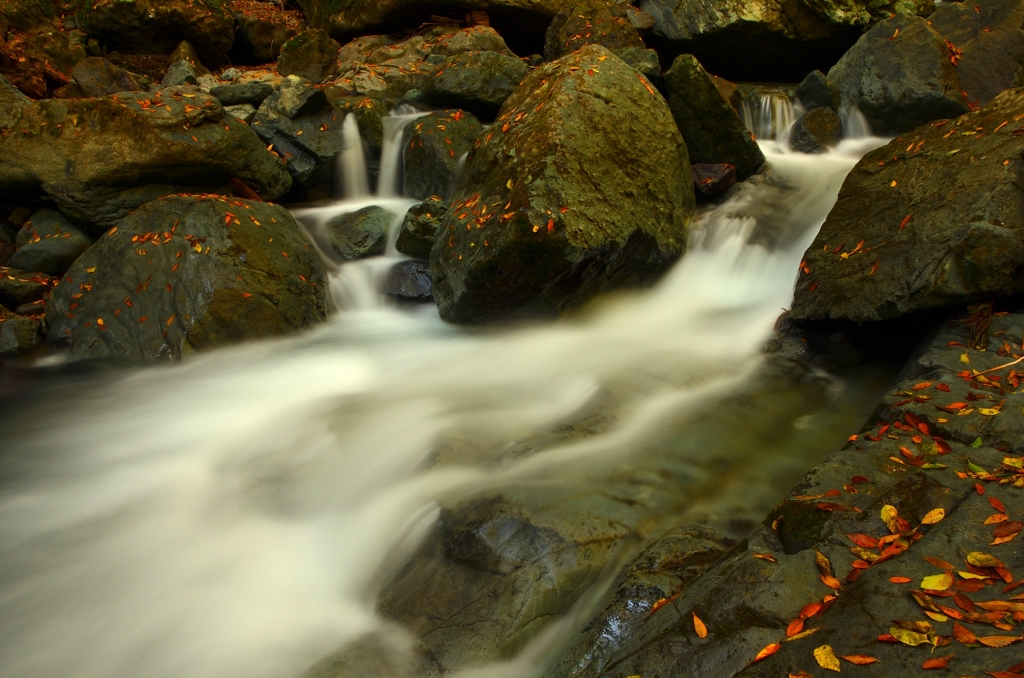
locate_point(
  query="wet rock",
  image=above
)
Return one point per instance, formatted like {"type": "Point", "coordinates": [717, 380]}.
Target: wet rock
{"type": "Point", "coordinates": [900, 76]}
{"type": "Point", "coordinates": [22, 287]}
{"type": "Point", "coordinates": [435, 146]}
{"type": "Point", "coordinates": [312, 55]}
{"type": "Point", "coordinates": [938, 225]}
{"type": "Point", "coordinates": [589, 22]}
{"type": "Point", "coordinates": [370, 114]}
{"type": "Point", "coordinates": [244, 112]}
{"type": "Point", "coordinates": [476, 81]}
{"type": "Point", "coordinates": [98, 77]}
{"type": "Point", "coordinates": [158, 26]}
{"type": "Point", "coordinates": [246, 93]}
{"type": "Point", "coordinates": [18, 334]}
{"type": "Point", "coordinates": [711, 127]}
{"type": "Point", "coordinates": [816, 131]}
{"type": "Point", "coordinates": [302, 126]}
{"type": "Point", "coordinates": [179, 73]}
{"type": "Point", "coordinates": [360, 234]}
{"type": "Point", "coordinates": [186, 52]}
{"type": "Point", "coordinates": [817, 91]}
{"type": "Point", "coordinates": [421, 224]}
{"type": "Point", "coordinates": [558, 237]}
{"type": "Point", "coordinates": [789, 39]}
{"type": "Point", "coordinates": [712, 180]}
{"type": "Point", "coordinates": [198, 273]}
{"type": "Point", "coordinates": [260, 35]}
{"type": "Point", "coordinates": [988, 44]}
{"type": "Point", "coordinates": [99, 159]}
{"type": "Point", "coordinates": [12, 102]}
{"type": "Point", "coordinates": [409, 282]}
{"type": "Point", "coordinates": [51, 244]}
{"type": "Point", "coordinates": [642, 59]}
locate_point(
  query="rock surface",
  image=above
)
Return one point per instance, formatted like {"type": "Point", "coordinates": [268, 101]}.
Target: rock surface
{"type": "Point", "coordinates": [711, 127]}
{"type": "Point", "coordinates": [360, 234]}
{"type": "Point", "coordinates": [18, 334]}
{"type": "Point", "coordinates": [261, 34]}
{"type": "Point", "coordinates": [99, 159]}
{"type": "Point", "coordinates": [712, 180]}
{"type": "Point", "coordinates": [12, 102]}
{"type": "Point", "coordinates": [408, 282]}
{"type": "Point", "coordinates": [546, 214]}
{"type": "Point", "coordinates": [50, 245]}
{"type": "Point", "coordinates": [900, 76]}
{"type": "Point", "coordinates": [420, 227]}
{"type": "Point", "coordinates": [434, 147]}
{"type": "Point", "coordinates": [476, 81]}
{"type": "Point", "coordinates": [816, 91]}
{"type": "Point", "coordinates": [816, 131]}
{"type": "Point", "coordinates": [98, 77]}
{"type": "Point", "coordinates": [589, 22]}
{"type": "Point", "coordinates": [184, 274]}
{"type": "Point", "coordinates": [937, 225]}
{"type": "Point", "coordinates": [312, 55]}
{"type": "Point", "coordinates": [158, 26]}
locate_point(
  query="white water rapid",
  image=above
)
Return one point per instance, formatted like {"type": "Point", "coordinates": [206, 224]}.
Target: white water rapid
{"type": "Point", "coordinates": [233, 515]}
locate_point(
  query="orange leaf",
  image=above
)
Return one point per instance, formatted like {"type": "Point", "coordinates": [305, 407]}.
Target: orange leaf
{"type": "Point", "coordinates": [768, 651]}
{"type": "Point", "coordinates": [859, 659]}
{"type": "Point", "coordinates": [699, 627]}
{"type": "Point", "coordinates": [998, 641]}
{"type": "Point", "coordinates": [900, 580]}
{"type": "Point", "coordinates": [863, 540]}
{"type": "Point", "coordinates": [810, 610]}
{"type": "Point", "coordinates": [996, 504]}
{"type": "Point", "coordinates": [937, 662]}
{"type": "Point", "coordinates": [795, 627]}
{"type": "Point", "coordinates": [941, 564]}
{"type": "Point", "coordinates": [963, 635]}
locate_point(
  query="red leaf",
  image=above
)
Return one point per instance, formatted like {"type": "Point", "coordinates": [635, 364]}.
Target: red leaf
{"type": "Point", "coordinates": [997, 505]}
{"type": "Point", "coordinates": [937, 663]}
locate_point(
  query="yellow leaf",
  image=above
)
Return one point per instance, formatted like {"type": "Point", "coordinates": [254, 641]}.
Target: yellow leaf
{"type": "Point", "coordinates": [826, 658]}
{"type": "Point", "coordinates": [889, 515]}
{"type": "Point", "coordinates": [937, 582]}
{"type": "Point", "coordinates": [509, 183]}
{"type": "Point", "coordinates": [933, 516]}
{"type": "Point", "coordinates": [988, 411]}
{"type": "Point", "coordinates": [936, 616]}
{"type": "Point", "coordinates": [979, 559]}
{"type": "Point", "coordinates": [802, 634]}
{"type": "Point", "coordinates": [908, 637]}
{"type": "Point", "coordinates": [970, 575]}
{"type": "Point", "coordinates": [964, 358]}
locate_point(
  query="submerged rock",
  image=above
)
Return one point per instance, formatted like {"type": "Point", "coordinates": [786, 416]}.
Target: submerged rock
{"type": "Point", "coordinates": [435, 146]}
{"type": "Point", "coordinates": [312, 55]}
{"type": "Point", "coordinates": [711, 127]}
{"type": "Point", "coordinates": [931, 219]}
{"type": "Point", "coordinates": [476, 81]}
{"type": "Point", "coordinates": [49, 244]}
{"type": "Point", "coordinates": [589, 22]}
{"type": "Point", "coordinates": [157, 26]}
{"type": "Point", "coordinates": [712, 180]}
{"type": "Point", "coordinates": [900, 76]}
{"type": "Point", "coordinates": [409, 282]}
{"type": "Point", "coordinates": [816, 131]}
{"type": "Point", "coordinates": [420, 227]}
{"type": "Point", "coordinates": [99, 159]}
{"type": "Point", "coordinates": [360, 234]}
{"type": "Point", "coordinates": [184, 274]}
{"type": "Point", "coordinates": [547, 213]}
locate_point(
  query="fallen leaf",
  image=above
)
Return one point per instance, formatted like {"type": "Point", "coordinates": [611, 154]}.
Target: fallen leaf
{"type": "Point", "coordinates": [795, 627]}
{"type": "Point", "coordinates": [1007, 528]}
{"type": "Point", "coordinates": [826, 658]}
{"type": "Point", "coordinates": [766, 556]}
{"type": "Point", "coordinates": [908, 637]}
{"type": "Point", "coordinates": [998, 641]}
{"type": "Point", "coordinates": [889, 514]}
{"type": "Point", "coordinates": [699, 627]}
{"type": "Point", "coordinates": [803, 634]}
{"type": "Point", "coordinates": [863, 540]}
{"type": "Point", "coordinates": [933, 516]}
{"type": "Point", "coordinates": [937, 582]}
{"type": "Point", "coordinates": [859, 659]}
{"type": "Point", "coordinates": [941, 564]}
{"type": "Point", "coordinates": [768, 651]}
{"type": "Point", "coordinates": [810, 610]}
{"type": "Point", "coordinates": [900, 580]}
{"type": "Point", "coordinates": [996, 504]}
{"type": "Point", "coordinates": [963, 635]}
{"type": "Point", "coordinates": [937, 662]}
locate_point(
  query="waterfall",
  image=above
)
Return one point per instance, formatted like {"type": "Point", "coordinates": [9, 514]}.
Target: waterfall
{"type": "Point", "coordinates": [855, 124]}
{"type": "Point", "coordinates": [233, 515]}
{"type": "Point", "coordinates": [351, 178]}
{"type": "Point", "coordinates": [770, 116]}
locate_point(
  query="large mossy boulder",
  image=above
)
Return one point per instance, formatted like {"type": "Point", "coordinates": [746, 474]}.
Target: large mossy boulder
{"type": "Point", "coordinates": [157, 26]}
{"type": "Point", "coordinates": [261, 33]}
{"type": "Point", "coordinates": [583, 185]}
{"type": "Point", "coordinates": [31, 16]}
{"type": "Point", "coordinates": [476, 81]}
{"type": "Point", "coordinates": [434, 149]}
{"type": "Point", "coordinates": [98, 77]}
{"type": "Point", "coordinates": [768, 40]}
{"type": "Point", "coordinates": [49, 243]}
{"type": "Point", "coordinates": [816, 131]}
{"type": "Point", "coordinates": [933, 218]}
{"type": "Point", "coordinates": [184, 274]}
{"type": "Point", "coordinates": [899, 74]}
{"type": "Point", "coordinates": [712, 128]}
{"type": "Point", "coordinates": [312, 55]}
{"type": "Point", "coordinates": [360, 234]}
{"type": "Point", "coordinates": [989, 42]}
{"type": "Point", "coordinates": [420, 226]}
{"type": "Point", "coordinates": [99, 159]}
{"type": "Point", "coordinates": [589, 22]}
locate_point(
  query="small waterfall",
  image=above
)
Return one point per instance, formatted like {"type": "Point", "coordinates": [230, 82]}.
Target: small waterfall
{"type": "Point", "coordinates": [769, 115]}
{"type": "Point", "coordinates": [351, 179]}
{"type": "Point", "coordinates": [390, 185]}
{"type": "Point", "coordinates": [855, 124]}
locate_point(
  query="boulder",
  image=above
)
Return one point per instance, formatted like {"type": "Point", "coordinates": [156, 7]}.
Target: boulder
{"type": "Point", "coordinates": [581, 186]}
{"type": "Point", "coordinates": [19, 287]}
{"type": "Point", "coordinates": [589, 22]}
{"type": "Point", "coordinates": [261, 33]}
{"type": "Point", "coordinates": [179, 73]}
{"type": "Point", "coordinates": [97, 77]}
{"type": "Point", "coordinates": [49, 243]}
{"type": "Point", "coordinates": [99, 159]}
{"type": "Point", "coordinates": [39, 63]}
{"type": "Point", "coordinates": [816, 131]}
{"type": "Point", "coordinates": [12, 102]}
{"type": "Point", "coordinates": [29, 16]}
{"type": "Point", "coordinates": [420, 227]}
{"type": "Point", "coordinates": [712, 180]}
{"type": "Point", "coordinates": [987, 44]}
{"type": "Point", "coordinates": [254, 93]}
{"type": "Point", "coordinates": [18, 334]}
{"type": "Point", "coordinates": [644, 60]}
{"type": "Point", "coordinates": [476, 81]}
{"type": "Point", "coordinates": [158, 26]}
{"type": "Point", "coordinates": [304, 128]}
{"type": "Point", "coordinates": [408, 282]}
{"type": "Point", "coordinates": [7, 250]}
{"type": "Point", "coordinates": [931, 219]}
{"type": "Point", "coordinates": [767, 40]}
{"type": "Point", "coordinates": [184, 274]}
{"type": "Point", "coordinates": [243, 112]}
{"type": "Point", "coordinates": [816, 91]}
{"type": "Point", "coordinates": [370, 114]}
{"type": "Point", "coordinates": [312, 55]}
{"type": "Point", "coordinates": [360, 234]}
{"type": "Point", "coordinates": [710, 125]}
{"type": "Point", "coordinates": [900, 76]}
{"type": "Point", "coordinates": [434, 148]}
{"type": "Point", "coordinates": [186, 52]}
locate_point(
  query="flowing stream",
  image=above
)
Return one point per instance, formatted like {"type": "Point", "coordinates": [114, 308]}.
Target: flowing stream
{"type": "Point", "coordinates": [234, 515]}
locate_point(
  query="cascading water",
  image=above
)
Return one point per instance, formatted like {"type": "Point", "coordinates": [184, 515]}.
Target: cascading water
{"type": "Point", "coordinates": [232, 515]}
{"type": "Point", "coordinates": [772, 116]}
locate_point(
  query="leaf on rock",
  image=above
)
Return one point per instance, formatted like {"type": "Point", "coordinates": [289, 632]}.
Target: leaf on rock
{"type": "Point", "coordinates": [699, 627]}
{"type": "Point", "coordinates": [826, 658]}
{"type": "Point", "coordinates": [998, 641]}
{"type": "Point", "coordinates": [795, 627]}
{"type": "Point", "coordinates": [908, 637]}
{"type": "Point", "coordinates": [937, 662]}
{"type": "Point", "coordinates": [768, 651]}
{"type": "Point", "coordinates": [900, 580]}
{"type": "Point", "coordinates": [859, 659]}
{"type": "Point", "coordinates": [889, 515]}
{"type": "Point", "coordinates": [937, 582]}
{"type": "Point", "coordinates": [863, 540]}
{"type": "Point", "coordinates": [941, 564]}
{"type": "Point", "coordinates": [933, 516]}
{"type": "Point", "coordinates": [996, 504]}
{"type": "Point", "coordinates": [979, 559]}
{"type": "Point", "coordinates": [1007, 528]}
{"type": "Point", "coordinates": [964, 635]}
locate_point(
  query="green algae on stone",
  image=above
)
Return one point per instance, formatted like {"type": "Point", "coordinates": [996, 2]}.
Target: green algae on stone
{"type": "Point", "coordinates": [434, 147]}
{"type": "Point", "coordinates": [589, 22]}
{"type": "Point", "coordinates": [185, 274]}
